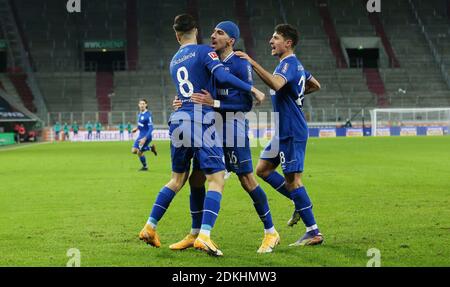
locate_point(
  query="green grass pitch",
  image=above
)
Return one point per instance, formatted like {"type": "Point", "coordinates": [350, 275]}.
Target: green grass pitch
{"type": "Point", "coordinates": [392, 194]}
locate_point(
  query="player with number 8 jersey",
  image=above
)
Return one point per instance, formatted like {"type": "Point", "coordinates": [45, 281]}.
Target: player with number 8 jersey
{"type": "Point", "coordinates": [194, 68]}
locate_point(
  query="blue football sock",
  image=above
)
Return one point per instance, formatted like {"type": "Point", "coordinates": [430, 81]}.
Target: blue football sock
{"type": "Point", "coordinates": [262, 206]}
{"type": "Point", "coordinates": [197, 200]}
{"type": "Point", "coordinates": [304, 206]}
{"type": "Point", "coordinates": [210, 211]}
{"type": "Point", "coordinates": [143, 160]}
{"type": "Point", "coordinates": [162, 202]}
{"type": "Point", "coordinates": [278, 182]}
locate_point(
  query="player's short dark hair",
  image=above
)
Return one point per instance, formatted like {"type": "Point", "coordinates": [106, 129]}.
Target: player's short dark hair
{"type": "Point", "coordinates": [184, 23]}
{"type": "Point", "coordinates": [145, 101]}
{"type": "Point", "coordinates": [288, 32]}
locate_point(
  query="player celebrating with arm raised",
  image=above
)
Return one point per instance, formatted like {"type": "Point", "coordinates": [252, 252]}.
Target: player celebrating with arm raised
{"type": "Point", "coordinates": [230, 102]}
{"type": "Point", "coordinates": [287, 85]}
{"type": "Point", "coordinates": [193, 68]}
{"type": "Point", "coordinates": [145, 127]}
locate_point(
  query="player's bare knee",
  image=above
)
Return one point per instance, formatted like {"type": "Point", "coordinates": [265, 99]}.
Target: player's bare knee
{"type": "Point", "coordinates": [293, 181]}
{"type": "Point", "coordinates": [216, 181]}
{"type": "Point", "coordinates": [264, 168]}
{"type": "Point", "coordinates": [248, 182]}
{"type": "Point", "coordinates": [175, 185]}
{"type": "Point", "coordinates": [216, 185]}
{"type": "Point", "coordinates": [262, 171]}
{"type": "Point", "coordinates": [177, 182]}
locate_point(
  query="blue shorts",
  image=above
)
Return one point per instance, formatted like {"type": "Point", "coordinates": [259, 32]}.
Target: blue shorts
{"type": "Point", "coordinates": [238, 156]}
{"type": "Point", "coordinates": [145, 147]}
{"type": "Point", "coordinates": [237, 160]}
{"type": "Point", "coordinates": [288, 152]}
{"type": "Point", "coordinates": [209, 157]}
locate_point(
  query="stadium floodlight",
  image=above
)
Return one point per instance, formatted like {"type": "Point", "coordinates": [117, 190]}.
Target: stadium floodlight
{"type": "Point", "coordinates": [436, 120]}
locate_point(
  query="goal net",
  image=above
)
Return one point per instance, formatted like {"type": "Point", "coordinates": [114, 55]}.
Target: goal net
{"type": "Point", "coordinates": [416, 121]}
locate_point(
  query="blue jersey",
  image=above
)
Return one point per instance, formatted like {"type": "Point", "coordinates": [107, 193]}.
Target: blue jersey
{"type": "Point", "coordinates": [145, 124]}
{"type": "Point", "coordinates": [288, 101]}
{"type": "Point", "coordinates": [234, 100]}
{"type": "Point", "coordinates": [192, 70]}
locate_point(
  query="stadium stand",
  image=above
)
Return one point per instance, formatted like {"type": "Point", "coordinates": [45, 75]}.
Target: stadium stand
{"type": "Point", "coordinates": [424, 88]}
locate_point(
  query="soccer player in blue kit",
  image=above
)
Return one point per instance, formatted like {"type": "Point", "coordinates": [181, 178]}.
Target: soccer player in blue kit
{"type": "Point", "coordinates": [193, 69]}
{"type": "Point", "coordinates": [232, 105]}
{"type": "Point", "coordinates": [288, 147]}
{"type": "Point", "coordinates": [145, 127]}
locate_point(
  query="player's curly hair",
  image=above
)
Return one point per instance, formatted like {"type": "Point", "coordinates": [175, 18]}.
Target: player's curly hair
{"type": "Point", "coordinates": [184, 23]}
{"type": "Point", "coordinates": [288, 32]}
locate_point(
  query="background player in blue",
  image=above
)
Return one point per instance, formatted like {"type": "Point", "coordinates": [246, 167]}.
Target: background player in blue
{"type": "Point", "coordinates": [288, 88]}
{"type": "Point", "coordinates": [145, 127]}
{"type": "Point", "coordinates": [237, 157]}
{"type": "Point", "coordinates": [193, 68]}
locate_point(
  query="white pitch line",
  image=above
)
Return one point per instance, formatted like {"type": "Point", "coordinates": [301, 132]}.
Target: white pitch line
{"type": "Point", "coordinates": [21, 147]}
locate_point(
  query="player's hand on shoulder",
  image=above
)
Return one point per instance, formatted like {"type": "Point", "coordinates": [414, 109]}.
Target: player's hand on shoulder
{"type": "Point", "coordinates": [203, 98]}
{"type": "Point", "coordinates": [244, 56]}
{"type": "Point", "coordinates": [258, 95]}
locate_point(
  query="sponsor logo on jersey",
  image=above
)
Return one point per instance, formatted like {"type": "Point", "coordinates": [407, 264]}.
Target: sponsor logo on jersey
{"type": "Point", "coordinates": [285, 68]}
{"type": "Point", "coordinates": [222, 92]}
{"type": "Point", "coordinates": [182, 59]}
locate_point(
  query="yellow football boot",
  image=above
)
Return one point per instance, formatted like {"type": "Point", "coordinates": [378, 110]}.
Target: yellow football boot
{"type": "Point", "coordinates": [269, 242]}
{"type": "Point", "coordinates": [149, 236]}
{"type": "Point", "coordinates": [205, 244]}
{"type": "Point", "coordinates": [185, 243]}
